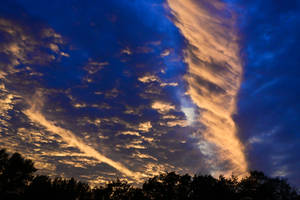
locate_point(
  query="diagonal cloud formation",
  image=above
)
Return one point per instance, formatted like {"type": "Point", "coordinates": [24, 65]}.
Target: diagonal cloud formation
{"type": "Point", "coordinates": [35, 115]}
{"type": "Point", "coordinates": [214, 76]}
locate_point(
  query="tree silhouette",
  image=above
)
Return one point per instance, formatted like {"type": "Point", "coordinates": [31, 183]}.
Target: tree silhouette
{"type": "Point", "coordinates": [260, 187]}
{"type": "Point", "coordinates": [168, 186]}
{"type": "Point", "coordinates": [15, 174]}
{"type": "Point", "coordinates": [116, 190]}
{"type": "Point", "coordinates": [17, 182]}
{"type": "Point", "coordinates": [42, 187]}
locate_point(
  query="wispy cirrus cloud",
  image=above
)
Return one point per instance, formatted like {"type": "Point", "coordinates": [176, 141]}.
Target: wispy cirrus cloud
{"type": "Point", "coordinates": [214, 76]}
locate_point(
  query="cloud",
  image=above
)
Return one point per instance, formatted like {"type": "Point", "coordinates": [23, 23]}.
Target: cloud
{"type": "Point", "coordinates": [165, 53]}
{"type": "Point", "coordinates": [189, 113]}
{"type": "Point", "coordinates": [182, 123]}
{"type": "Point", "coordinates": [145, 126]}
{"type": "Point", "coordinates": [144, 156]}
{"type": "Point", "coordinates": [214, 75]}
{"type": "Point", "coordinates": [93, 67]}
{"type": "Point", "coordinates": [22, 46]}
{"type": "Point", "coordinates": [169, 84]}
{"type": "Point", "coordinates": [93, 96]}
{"type": "Point", "coordinates": [133, 133]}
{"type": "Point", "coordinates": [162, 107]}
{"type": "Point", "coordinates": [152, 78]}
{"type": "Point", "coordinates": [67, 136]}
{"type": "Point", "coordinates": [44, 165]}
{"type": "Point", "coordinates": [148, 79]}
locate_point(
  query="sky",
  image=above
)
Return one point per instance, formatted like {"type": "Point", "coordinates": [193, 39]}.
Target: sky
{"type": "Point", "coordinates": [131, 88]}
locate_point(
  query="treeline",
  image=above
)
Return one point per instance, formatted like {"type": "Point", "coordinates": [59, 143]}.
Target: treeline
{"type": "Point", "coordinates": [18, 182]}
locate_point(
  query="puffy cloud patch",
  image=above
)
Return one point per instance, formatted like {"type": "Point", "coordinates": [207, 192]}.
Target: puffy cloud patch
{"type": "Point", "coordinates": [162, 107]}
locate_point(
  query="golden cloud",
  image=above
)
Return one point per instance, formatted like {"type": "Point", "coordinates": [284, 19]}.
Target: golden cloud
{"type": "Point", "coordinates": [162, 107]}
{"type": "Point", "coordinates": [214, 75]}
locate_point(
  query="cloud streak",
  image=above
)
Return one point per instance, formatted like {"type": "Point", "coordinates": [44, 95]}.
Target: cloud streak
{"type": "Point", "coordinates": [214, 76]}
{"type": "Point", "coordinates": [35, 115]}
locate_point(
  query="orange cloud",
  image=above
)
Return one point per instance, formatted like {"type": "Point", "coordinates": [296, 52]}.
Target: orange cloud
{"type": "Point", "coordinates": [162, 107]}
{"type": "Point", "coordinates": [145, 126]}
{"type": "Point", "coordinates": [214, 76]}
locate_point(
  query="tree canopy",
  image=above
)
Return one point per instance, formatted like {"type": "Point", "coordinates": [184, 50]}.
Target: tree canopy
{"type": "Point", "coordinates": [18, 182]}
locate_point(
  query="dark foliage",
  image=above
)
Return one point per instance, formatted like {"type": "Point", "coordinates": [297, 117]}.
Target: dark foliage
{"type": "Point", "coordinates": [17, 182]}
{"type": "Point", "coordinates": [15, 175]}
{"type": "Point", "coordinates": [42, 187]}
